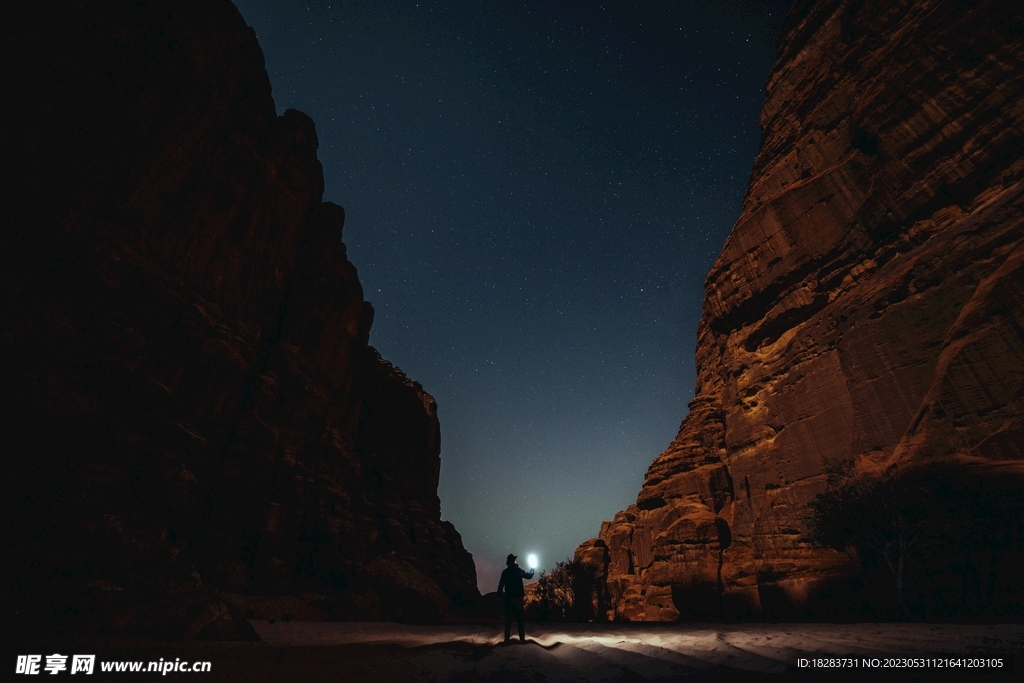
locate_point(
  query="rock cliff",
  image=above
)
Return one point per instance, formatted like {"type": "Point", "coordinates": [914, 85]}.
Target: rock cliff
{"type": "Point", "coordinates": [868, 306]}
{"type": "Point", "coordinates": [193, 411]}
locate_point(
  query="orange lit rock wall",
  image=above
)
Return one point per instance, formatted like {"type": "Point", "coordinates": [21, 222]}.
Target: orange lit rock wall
{"type": "Point", "coordinates": [868, 304]}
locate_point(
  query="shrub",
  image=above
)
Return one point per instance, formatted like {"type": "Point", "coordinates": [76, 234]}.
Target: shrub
{"type": "Point", "coordinates": [943, 542]}
{"type": "Point", "coordinates": [555, 595]}
{"type": "Point", "coordinates": [877, 517]}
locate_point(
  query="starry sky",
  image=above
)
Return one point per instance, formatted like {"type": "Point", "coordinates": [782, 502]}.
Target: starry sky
{"type": "Point", "coordinates": [534, 193]}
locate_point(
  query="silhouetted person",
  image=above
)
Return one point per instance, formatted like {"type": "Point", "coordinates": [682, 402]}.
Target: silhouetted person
{"type": "Point", "coordinates": [512, 585]}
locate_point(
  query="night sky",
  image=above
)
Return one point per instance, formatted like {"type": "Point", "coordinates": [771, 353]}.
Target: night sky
{"type": "Point", "coordinates": [534, 193]}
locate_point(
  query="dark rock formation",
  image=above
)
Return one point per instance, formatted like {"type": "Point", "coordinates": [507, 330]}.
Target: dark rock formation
{"type": "Point", "coordinates": [192, 407]}
{"type": "Point", "coordinates": [868, 305]}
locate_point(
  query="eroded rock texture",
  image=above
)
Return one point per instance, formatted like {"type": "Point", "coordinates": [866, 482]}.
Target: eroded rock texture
{"type": "Point", "coordinates": [191, 403]}
{"type": "Point", "coordinates": [869, 304]}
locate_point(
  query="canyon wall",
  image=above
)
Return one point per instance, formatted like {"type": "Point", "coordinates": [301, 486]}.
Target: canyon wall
{"type": "Point", "coordinates": [868, 306]}
{"type": "Point", "coordinates": [192, 409]}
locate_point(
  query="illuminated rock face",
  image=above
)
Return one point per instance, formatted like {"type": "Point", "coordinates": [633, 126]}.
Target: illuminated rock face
{"type": "Point", "coordinates": [192, 403]}
{"type": "Point", "coordinates": [868, 304]}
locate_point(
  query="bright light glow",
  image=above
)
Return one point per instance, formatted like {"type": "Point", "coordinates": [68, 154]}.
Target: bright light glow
{"type": "Point", "coordinates": [532, 561]}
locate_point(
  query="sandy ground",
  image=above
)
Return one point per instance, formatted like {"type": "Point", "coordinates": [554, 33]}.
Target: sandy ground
{"type": "Point", "coordinates": [613, 653]}
{"type": "Point", "coordinates": [659, 652]}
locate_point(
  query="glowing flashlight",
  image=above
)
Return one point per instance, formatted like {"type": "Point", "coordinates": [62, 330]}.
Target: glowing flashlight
{"type": "Point", "coordinates": [531, 560]}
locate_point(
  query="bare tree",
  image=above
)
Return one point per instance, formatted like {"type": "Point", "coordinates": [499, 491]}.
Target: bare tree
{"type": "Point", "coordinates": [873, 515]}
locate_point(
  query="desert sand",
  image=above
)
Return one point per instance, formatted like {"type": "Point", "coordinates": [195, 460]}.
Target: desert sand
{"type": "Point", "coordinates": [645, 652]}
{"type": "Point", "coordinates": [582, 653]}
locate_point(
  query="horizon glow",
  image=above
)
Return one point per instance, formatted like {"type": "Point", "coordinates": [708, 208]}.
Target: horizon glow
{"type": "Point", "coordinates": [548, 300]}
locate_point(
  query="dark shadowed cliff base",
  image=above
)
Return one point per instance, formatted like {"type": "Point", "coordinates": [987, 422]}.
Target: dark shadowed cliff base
{"type": "Point", "coordinates": [862, 340]}
{"type": "Point", "coordinates": [195, 429]}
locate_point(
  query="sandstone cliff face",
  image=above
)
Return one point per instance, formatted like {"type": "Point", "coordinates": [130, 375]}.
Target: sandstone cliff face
{"type": "Point", "coordinates": [192, 403]}
{"type": "Point", "coordinates": [868, 305]}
